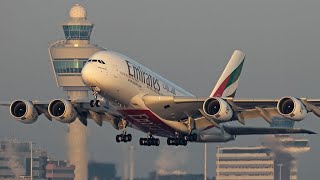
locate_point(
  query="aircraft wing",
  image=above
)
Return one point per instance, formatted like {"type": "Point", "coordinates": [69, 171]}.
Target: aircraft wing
{"type": "Point", "coordinates": [84, 111]}
{"type": "Point", "coordinates": [173, 108]}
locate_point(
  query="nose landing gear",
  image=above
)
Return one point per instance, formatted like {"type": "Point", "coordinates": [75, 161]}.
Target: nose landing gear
{"type": "Point", "coordinates": [95, 102]}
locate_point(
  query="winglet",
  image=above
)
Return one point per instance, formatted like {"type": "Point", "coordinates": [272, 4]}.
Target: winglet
{"type": "Point", "coordinates": [228, 82]}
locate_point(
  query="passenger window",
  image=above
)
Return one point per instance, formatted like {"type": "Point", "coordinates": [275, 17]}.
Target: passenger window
{"type": "Point", "coordinates": [99, 61]}
{"type": "Point", "coordinates": [94, 60]}
{"type": "Point", "coordinates": [103, 62]}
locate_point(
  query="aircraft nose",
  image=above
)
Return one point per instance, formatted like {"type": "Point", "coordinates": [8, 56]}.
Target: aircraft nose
{"type": "Point", "coordinates": [87, 74]}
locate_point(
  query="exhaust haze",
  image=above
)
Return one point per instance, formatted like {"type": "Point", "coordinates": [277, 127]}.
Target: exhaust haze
{"type": "Point", "coordinates": [14, 163]}
{"type": "Point", "coordinates": [171, 159]}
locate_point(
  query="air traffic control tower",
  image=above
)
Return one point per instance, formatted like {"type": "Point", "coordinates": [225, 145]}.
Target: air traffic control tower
{"type": "Point", "coordinates": [68, 57]}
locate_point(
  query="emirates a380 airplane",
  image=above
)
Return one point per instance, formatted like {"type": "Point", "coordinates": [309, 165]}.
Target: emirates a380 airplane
{"type": "Point", "coordinates": [127, 94]}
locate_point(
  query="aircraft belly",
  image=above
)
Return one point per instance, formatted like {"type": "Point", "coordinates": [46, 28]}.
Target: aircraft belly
{"type": "Point", "coordinates": [147, 122]}
{"type": "Point", "coordinates": [212, 134]}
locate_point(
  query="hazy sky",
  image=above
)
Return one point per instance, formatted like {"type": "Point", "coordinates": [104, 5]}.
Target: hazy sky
{"type": "Point", "coordinates": [186, 41]}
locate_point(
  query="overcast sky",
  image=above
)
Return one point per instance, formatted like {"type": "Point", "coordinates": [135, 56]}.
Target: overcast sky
{"type": "Point", "coordinates": [186, 41]}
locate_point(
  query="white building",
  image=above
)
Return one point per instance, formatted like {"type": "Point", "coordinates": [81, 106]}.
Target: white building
{"type": "Point", "coordinates": [68, 57]}
{"type": "Point", "coordinates": [247, 163]}
{"type": "Point", "coordinates": [275, 159]}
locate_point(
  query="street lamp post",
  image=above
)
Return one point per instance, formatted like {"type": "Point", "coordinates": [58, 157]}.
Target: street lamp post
{"type": "Point", "coordinates": [205, 162]}
{"type": "Point", "coordinates": [131, 148]}
{"type": "Point", "coordinates": [31, 161]}
{"type": "Point", "coordinates": [280, 169]}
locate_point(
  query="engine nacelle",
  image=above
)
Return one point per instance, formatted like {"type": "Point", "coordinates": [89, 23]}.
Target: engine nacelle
{"type": "Point", "coordinates": [62, 110]}
{"type": "Point", "coordinates": [24, 111]}
{"type": "Point", "coordinates": [218, 109]}
{"type": "Point", "coordinates": [292, 108]}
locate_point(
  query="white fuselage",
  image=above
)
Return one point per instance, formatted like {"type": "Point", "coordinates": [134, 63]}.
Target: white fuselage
{"type": "Point", "coordinates": [124, 81]}
{"type": "Point", "coordinates": [121, 78]}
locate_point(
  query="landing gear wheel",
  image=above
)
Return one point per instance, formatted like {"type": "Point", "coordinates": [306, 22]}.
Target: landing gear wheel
{"type": "Point", "coordinates": [149, 141]}
{"type": "Point", "coordinates": [194, 137]}
{"type": "Point", "coordinates": [157, 142]}
{"type": "Point", "coordinates": [179, 141]}
{"type": "Point", "coordinates": [92, 103]}
{"type": "Point", "coordinates": [97, 103]}
{"type": "Point", "coordinates": [141, 142]}
{"type": "Point", "coordinates": [118, 138]}
{"type": "Point", "coordinates": [169, 141]}
{"type": "Point", "coordinates": [145, 141]}
{"type": "Point", "coordinates": [123, 138]}
{"type": "Point", "coordinates": [129, 137]}
{"type": "Point", "coordinates": [185, 137]}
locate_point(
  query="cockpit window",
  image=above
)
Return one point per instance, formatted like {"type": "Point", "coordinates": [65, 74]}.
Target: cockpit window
{"type": "Point", "coordinates": [94, 60]}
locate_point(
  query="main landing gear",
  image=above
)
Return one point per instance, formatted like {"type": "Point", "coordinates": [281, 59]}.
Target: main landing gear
{"type": "Point", "coordinates": [181, 140]}
{"type": "Point", "coordinates": [190, 137]}
{"type": "Point", "coordinates": [151, 141]}
{"type": "Point", "coordinates": [176, 142]}
{"type": "Point", "coordinates": [123, 138]}
{"type": "Point", "coordinates": [95, 102]}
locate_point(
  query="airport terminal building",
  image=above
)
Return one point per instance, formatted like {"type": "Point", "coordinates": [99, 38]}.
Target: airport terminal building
{"type": "Point", "coordinates": [247, 163]}
{"type": "Point", "coordinates": [275, 158]}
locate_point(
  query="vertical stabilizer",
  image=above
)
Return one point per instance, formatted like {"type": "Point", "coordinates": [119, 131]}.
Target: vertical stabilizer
{"type": "Point", "coordinates": [228, 82]}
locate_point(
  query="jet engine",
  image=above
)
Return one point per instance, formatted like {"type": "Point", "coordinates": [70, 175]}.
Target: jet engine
{"type": "Point", "coordinates": [218, 109]}
{"type": "Point", "coordinates": [62, 110]}
{"type": "Point", "coordinates": [292, 108]}
{"type": "Point", "coordinates": [24, 111]}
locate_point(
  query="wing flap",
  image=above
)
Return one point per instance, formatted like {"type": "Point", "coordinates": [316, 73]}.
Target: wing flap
{"type": "Point", "coordinates": [256, 113]}
{"type": "Point", "coordinates": [172, 108]}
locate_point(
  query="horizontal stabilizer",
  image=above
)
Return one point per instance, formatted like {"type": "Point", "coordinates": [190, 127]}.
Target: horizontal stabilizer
{"type": "Point", "coordinates": [233, 130]}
